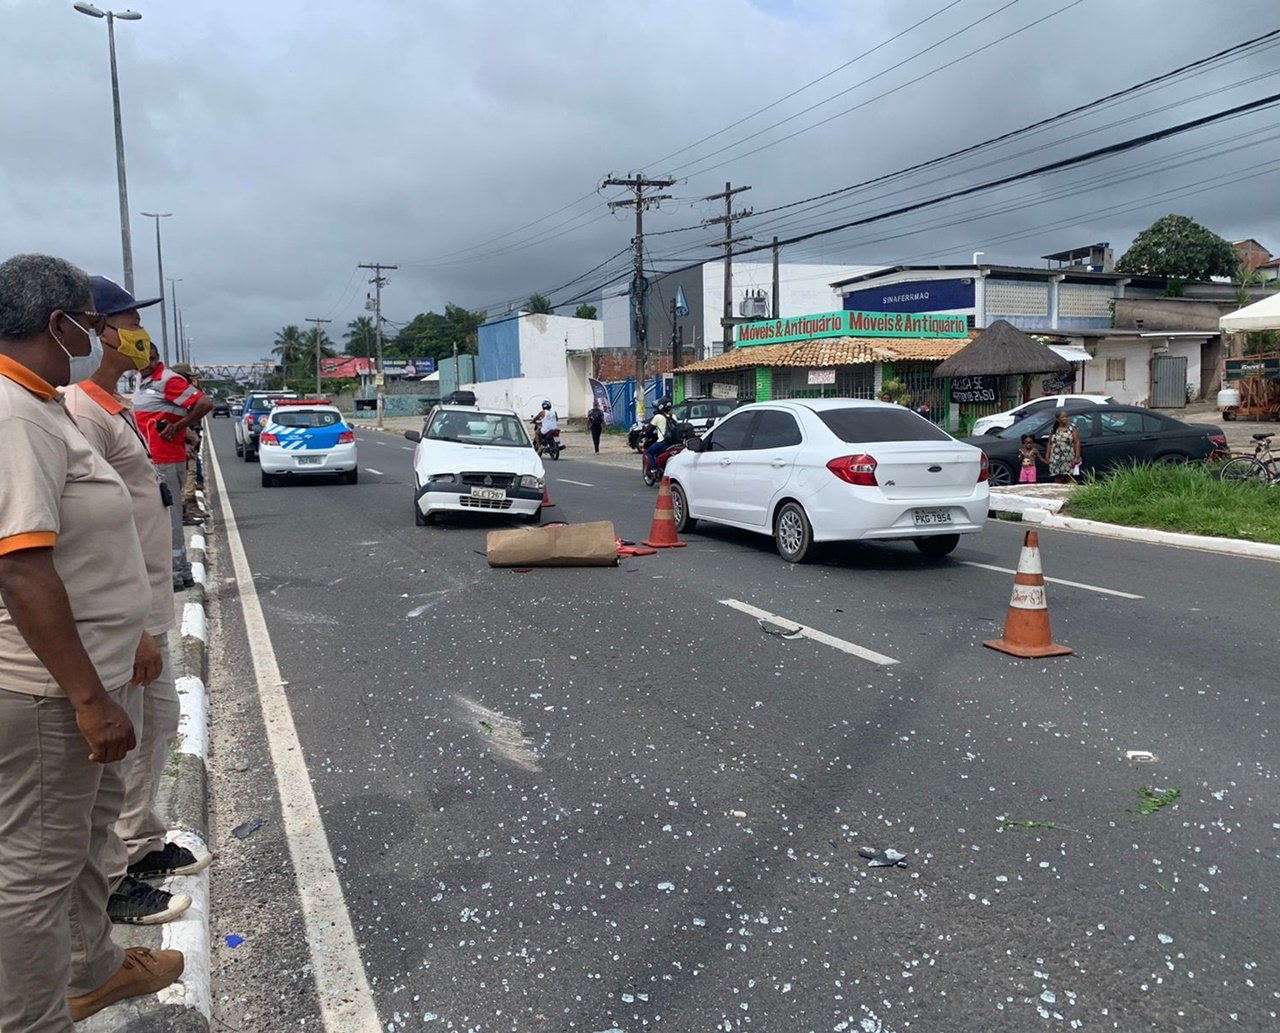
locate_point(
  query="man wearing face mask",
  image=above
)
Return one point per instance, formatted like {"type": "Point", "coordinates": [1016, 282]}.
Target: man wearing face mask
{"type": "Point", "coordinates": [165, 405]}
{"type": "Point", "coordinates": [73, 600]}
{"type": "Point", "coordinates": [137, 848]}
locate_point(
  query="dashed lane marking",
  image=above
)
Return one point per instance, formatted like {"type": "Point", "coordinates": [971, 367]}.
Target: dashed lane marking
{"type": "Point", "coordinates": [370, 469]}
{"type": "Point", "coordinates": [346, 1002]}
{"type": "Point", "coordinates": [1056, 580]}
{"type": "Point", "coordinates": [580, 484]}
{"type": "Point", "coordinates": [804, 631]}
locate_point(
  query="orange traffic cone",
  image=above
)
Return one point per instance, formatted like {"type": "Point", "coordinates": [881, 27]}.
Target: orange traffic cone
{"type": "Point", "coordinates": [546, 499]}
{"type": "Point", "coordinates": [1026, 627]}
{"type": "Point", "coordinates": [662, 534]}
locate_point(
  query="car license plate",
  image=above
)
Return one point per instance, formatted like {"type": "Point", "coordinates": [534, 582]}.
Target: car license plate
{"type": "Point", "coordinates": [490, 494]}
{"type": "Point", "coordinates": [926, 517]}
{"type": "Point", "coordinates": [309, 460]}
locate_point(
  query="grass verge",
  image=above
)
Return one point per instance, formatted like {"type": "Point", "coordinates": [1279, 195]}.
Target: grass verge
{"type": "Point", "coordinates": [1189, 499]}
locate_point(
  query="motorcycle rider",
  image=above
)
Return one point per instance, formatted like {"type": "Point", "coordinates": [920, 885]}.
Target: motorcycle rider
{"type": "Point", "coordinates": [545, 422]}
{"type": "Point", "coordinates": [665, 427]}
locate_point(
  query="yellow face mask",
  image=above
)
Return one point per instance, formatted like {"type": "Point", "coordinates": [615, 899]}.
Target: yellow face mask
{"type": "Point", "coordinates": [135, 345]}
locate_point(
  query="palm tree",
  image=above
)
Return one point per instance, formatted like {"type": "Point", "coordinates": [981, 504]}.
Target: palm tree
{"type": "Point", "coordinates": [538, 305]}
{"type": "Point", "coordinates": [360, 337]}
{"type": "Point", "coordinates": [290, 349]}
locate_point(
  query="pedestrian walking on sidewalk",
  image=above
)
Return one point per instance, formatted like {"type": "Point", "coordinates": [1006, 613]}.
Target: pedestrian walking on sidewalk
{"type": "Point", "coordinates": [595, 420]}
{"type": "Point", "coordinates": [74, 597]}
{"type": "Point", "coordinates": [137, 846]}
{"type": "Point", "coordinates": [1063, 456]}
{"type": "Point", "coordinates": [1028, 454]}
{"type": "Point", "coordinates": [165, 404]}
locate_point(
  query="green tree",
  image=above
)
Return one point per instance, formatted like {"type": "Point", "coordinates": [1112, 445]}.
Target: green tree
{"type": "Point", "coordinates": [585, 312]}
{"type": "Point", "coordinates": [361, 337]}
{"type": "Point", "coordinates": [433, 334]}
{"type": "Point", "coordinates": [538, 305]}
{"type": "Point", "coordinates": [290, 350]}
{"type": "Point", "coordinates": [1179, 248]}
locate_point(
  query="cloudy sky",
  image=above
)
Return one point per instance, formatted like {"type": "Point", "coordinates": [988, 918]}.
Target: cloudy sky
{"type": "Point", "coordinates": [465, 141]}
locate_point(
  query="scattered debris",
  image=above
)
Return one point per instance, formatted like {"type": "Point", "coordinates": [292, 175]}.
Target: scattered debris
{"type": "Point", "coordinates": [246, 829]}
{"type": "Point", "coordinates": [1151, 800]}
{"type": "Point", "coordinates": [886, 858]}
{"type": "Point", "coordinates": [1141, 756]}
{"type": "Point", "coordinates": [1007, 824]}
{"type": "Point", "coordinates": [234, 941]}
{"type": "Point", "coordinates": [770, 627]}
{"type": "Point", "coordinates": [488, 728]}
{"type": "Point", "coordinates": [737, 814]}
{"type": "Point", "coordinates": [522, 570]}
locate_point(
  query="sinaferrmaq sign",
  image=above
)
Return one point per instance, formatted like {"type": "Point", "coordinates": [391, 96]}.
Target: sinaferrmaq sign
{"type": "Point", "coordinates": [851, 324]}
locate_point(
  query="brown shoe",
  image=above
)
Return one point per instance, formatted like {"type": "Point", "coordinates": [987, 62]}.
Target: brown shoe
{"type": "Point", "coordinates": [143, 972]}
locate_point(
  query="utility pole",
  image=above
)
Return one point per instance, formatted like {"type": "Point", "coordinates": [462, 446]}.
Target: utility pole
{"type": "Point", "coordinates": [378, 281]}
{"type": "Point", "coordinates": [728, 219]}
{"type": "Point", "coordinates": [677, 340]}
{"type": "Point", "coordinates": [777, 283]}
{"type": "Point", "coordinates": [316, 331]}
{"type": "Point", "coordinates": [638, 184]}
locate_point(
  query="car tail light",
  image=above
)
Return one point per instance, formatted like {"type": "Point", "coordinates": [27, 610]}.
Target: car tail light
{"type": "Point", "coordinates": [984, 468]}
{"type": "Point", "coordinates": [859, 469]}
{"type": "Point", "coordinates": [267, 439]}
{"type": "Point", "coordinates": [347, 437]}
{"type": "Point", "coordinates": [1219, 439]}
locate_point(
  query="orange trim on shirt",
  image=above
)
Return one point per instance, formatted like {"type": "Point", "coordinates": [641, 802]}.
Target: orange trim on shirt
{"type": "Point", "coordinates": [22, 376]}
{"type": "Point", "coordinates": [106, 399]}
{"type": "Point", "coordinates": [29, 540]}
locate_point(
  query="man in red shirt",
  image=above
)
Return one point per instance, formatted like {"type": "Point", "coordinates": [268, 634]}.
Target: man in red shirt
{"type": "Point", "coordinates": [165, 405]}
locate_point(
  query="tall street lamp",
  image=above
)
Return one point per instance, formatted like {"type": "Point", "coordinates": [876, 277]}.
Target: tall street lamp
{"type": "Point", "coordinates": [126, 245]}
{"type": "Point", "coordinates": [177, 331]}
{"type": "Point", "coordinates": [164, 319]}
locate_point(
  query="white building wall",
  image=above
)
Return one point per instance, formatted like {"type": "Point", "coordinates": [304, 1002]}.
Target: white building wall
{"type": "Point", "coordinates": [523, 394]}
{"type": "Point", "coordinates": [1135, 388]}
{"type": "Point", "coordinates": [546, 341]}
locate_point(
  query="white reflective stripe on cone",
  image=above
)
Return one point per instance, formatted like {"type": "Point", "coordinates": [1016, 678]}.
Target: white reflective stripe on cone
{"type": "Point", "coordinates": [1028, 597]}
{"type": "Point", "coordinates": [1029, 562]}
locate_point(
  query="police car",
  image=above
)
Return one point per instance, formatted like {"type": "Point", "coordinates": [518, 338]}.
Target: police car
{"type": "Point", "coordinates": [305, 437]}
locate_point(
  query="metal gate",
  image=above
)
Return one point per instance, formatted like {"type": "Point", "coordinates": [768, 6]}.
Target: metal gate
{"type": "Point", "coordinates": [1169, 382]}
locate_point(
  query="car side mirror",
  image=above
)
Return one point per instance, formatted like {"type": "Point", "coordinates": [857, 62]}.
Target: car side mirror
{"type": "Point", "coordinates": [695, 444]}
{"type": "Point", "coordinates": [412, 435]}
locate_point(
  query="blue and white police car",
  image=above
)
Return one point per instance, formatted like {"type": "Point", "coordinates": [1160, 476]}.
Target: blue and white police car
{"type": "Point", "coordinates": [306, 437]}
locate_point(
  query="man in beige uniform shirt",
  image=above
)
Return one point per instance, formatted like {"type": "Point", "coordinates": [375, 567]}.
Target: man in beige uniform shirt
{"type": "Point", "coordinates": [137, 848]}
{"type": "Point", "coordinates": [73, 599]}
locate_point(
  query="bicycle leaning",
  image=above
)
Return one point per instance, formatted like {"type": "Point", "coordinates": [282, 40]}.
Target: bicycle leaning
{"type": "Point", "coordinates": [1263, 465]}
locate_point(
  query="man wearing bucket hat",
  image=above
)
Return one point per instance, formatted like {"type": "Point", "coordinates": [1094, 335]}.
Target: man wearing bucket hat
{"type": "Point", "coordinates": [137, 847]}
{"type": "Point", "coordinates": [165, 405]}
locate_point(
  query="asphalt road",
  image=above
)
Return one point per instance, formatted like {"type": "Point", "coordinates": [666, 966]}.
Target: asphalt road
{"type": "Point", "coordinates": [604, 800]}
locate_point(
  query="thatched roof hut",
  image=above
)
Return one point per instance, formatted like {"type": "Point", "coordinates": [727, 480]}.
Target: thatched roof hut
{"type": "Point", "coordinates": [1000, 350]}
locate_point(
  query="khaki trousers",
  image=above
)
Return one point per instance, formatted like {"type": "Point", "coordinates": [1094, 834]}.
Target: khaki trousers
{"type": "Point", "coordinates": [55, 809]}
{"type": "Point", "coordinates": [154, 711]}
{"type": "Point", "coordinates": [173, 473]}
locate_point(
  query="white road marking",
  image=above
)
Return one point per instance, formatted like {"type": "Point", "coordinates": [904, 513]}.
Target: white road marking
{"type": "Point", "coordinates": [1055, 580]}
{"type": "Point", "coordinates": [370, 469]}
{"type": "Point", "coordinates": [804, 631]}
{"type": "Point", "coordinates": [580, 484]}
{"type": "Point", "coordinates": [342, 987]}
{"type": "Point", "coordinates": [407, 448]}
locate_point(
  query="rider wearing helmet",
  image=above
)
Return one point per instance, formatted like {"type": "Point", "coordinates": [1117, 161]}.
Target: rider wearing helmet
{"type": "Point", "coordinates": [545, 422]}
{"type": "Point", "coordinates": [665, 426]}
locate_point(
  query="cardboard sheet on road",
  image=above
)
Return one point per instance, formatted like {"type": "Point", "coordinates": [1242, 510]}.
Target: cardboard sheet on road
{"type": "Point", "coordinates": [570, 545]}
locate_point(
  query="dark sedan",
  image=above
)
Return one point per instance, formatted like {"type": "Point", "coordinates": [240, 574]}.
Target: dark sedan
{"type": "Point", "coordinates": [1110, 435]}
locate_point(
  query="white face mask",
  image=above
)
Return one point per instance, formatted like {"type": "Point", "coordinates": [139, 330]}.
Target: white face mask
{"type": "Point", "coordinates": [83, 366]}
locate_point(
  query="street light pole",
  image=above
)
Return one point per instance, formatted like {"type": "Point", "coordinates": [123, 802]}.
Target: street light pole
{"type": "Point", "coordinates": [126, 243]}
{"type": "Point", "coordinates": [173, 291]}
{"type": "Point", "coordinates": [164, 319]}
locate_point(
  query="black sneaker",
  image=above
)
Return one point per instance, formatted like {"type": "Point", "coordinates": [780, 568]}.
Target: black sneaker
{"type": "Point", "coordinates": [136, 903]}
{"type": "Point", "coordinates": [171, 859]}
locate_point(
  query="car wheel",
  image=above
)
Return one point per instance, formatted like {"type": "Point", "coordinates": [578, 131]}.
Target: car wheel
{"type": "Point", "coordinates": [239, 449]}
{"type": "Point", "coordinates": [249, 456]}
{"type": "Point", "coordinates": [938, 545]}
{"type": "Point", "coordinates": [351, 477]}
{"type": "Point", "coordinates": [680, 511]}
{"type": "Point", "coordinates": [793, 534]}
{"type": "Point", "coordinates": [999, 474]}
{"type": "Point", "coordinates": [268, 480]}
{"type": "Point", "coordinates": [1172, 459]}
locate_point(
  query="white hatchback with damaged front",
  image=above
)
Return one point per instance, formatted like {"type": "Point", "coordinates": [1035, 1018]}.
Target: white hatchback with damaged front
{"type": "Point", "coordinates": [835, 469]}
{"type": "Point", "coordinates": [475, 460]}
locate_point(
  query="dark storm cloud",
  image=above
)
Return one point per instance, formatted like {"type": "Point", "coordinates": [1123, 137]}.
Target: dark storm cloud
{"type": "Point", "coordinates": [292, 140]}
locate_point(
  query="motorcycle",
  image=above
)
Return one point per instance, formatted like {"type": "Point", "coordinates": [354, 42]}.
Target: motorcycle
{"type": "Point", "coordinates": [674, 447]}
{"type": "Point", "coordinates": [548, 444]}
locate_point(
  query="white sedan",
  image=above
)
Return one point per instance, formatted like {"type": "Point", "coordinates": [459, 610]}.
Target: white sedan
{"type": "Point", "coordinates": [834, 469]}
{"type": "Point", "coordinates": [999, 421]}
{"type": "Point", "coordinates": [306, 438]}
{"type": "Point", "coordinates": [474, 460]}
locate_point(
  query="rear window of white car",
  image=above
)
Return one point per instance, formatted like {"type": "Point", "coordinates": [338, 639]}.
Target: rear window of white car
{"type": "Point", "coordinates": [306, 418]}
{"type": "Point", "coordinates": [877, 424]}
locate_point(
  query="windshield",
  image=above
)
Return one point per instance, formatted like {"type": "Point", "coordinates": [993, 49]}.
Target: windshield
{"type": "Point", "coordinates": [311, 418]}
{"type": "Point", "coordinates": [875, 423]}
{"type": "Point", "coordinates": [478, 429]}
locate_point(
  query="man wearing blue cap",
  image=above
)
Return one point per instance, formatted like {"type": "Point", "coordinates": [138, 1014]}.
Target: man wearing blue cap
{"type": "Point", "coordinates": [165, 405]}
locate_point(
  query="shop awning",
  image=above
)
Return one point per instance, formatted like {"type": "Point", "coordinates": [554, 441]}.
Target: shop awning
{"type": "Point", "coordinates": [1071, 353]}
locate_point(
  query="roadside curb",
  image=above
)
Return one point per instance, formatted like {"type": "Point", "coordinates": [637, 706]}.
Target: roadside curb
{"type": "Point", "coordinates": [1204, 543]}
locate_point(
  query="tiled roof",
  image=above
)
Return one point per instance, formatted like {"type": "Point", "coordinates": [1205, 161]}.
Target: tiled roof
{"type": "Point", "coordinates": [832, 351]}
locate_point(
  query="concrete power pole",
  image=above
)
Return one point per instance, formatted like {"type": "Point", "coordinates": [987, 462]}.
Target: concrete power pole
{"type": "Point", "coordinates": [727, 220]}
{"type": "Point", "coordinates": [316, 331]}
{"type": "Point", "coordinates": [777, 283]}
{"type": "Point", "coordinates": [638, 184]}
{"type": "Point", "coordinates": [378, 281]}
